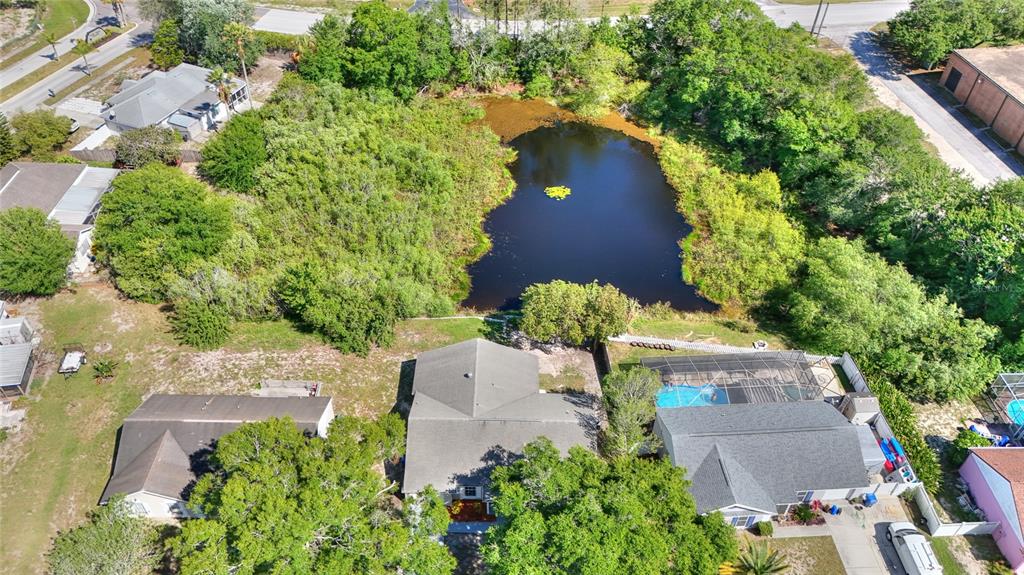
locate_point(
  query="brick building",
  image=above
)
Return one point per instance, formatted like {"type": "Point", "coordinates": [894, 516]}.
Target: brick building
{"type": "Point", "coordinates": [990, 83]}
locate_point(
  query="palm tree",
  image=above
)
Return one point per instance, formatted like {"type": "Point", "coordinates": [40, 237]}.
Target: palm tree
{"type": "Point", "coordinates": [118, 7]}
{"type": "Point", "coordinates": [222, 81]}
{"type": "Point", "coordinates": [51, 39]}
{"type": "Point", "coordinates": [760, 559]}
{"type": "Point", "coordinates": [82, 48]}
{"type": "Point", "coordinates": [238, 34]}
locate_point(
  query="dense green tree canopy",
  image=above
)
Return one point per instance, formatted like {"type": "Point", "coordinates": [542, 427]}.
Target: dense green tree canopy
{"type": "Point", "coordinates": [165, 49]}
{"type": "Point", "coordinates": [368, 208]}
{"type": "Point", "coordinates": [382, 48]}
{"type": "Point", "coordinates": [8, 146]}
{"type": "Point", "coordinates": [851, 300]}
{"type": "Point", "coordinates": [575, 313]}
{"type": "Point", "coordinates": [277, 501]}
{"type": "Point", "coordinates": [629, 398]}
{"type": "Point", "coordinates": [136, 148]}
{"type": "Point", "coordinates": [157, 223]}
{"type": "Point", "coordinates": [40, 134]}
{"type": "Point", "coordinates": [582, 514]}
{"type": "Point", "coordinates": [930, 29]}
{"type": "Point", "coordinates": [34, 253]}
{"type": "Point", "coordinates": [230, 158]}
{"type": "Point", "coordinates": [111, 542]}
{"type": "Point", "coordinates": [742, 245]}
{"type": "Point", "coordinates": [200, 25]}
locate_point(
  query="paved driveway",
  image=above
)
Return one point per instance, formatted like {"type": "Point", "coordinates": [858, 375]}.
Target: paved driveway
{"type": "Point", "coordinates": [961, 145]}
{"type": "Point", "coordinates": [860, 538]}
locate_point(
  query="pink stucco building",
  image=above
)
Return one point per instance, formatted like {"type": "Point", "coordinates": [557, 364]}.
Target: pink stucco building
{"type": "Point", "coordinates": [995, 476]}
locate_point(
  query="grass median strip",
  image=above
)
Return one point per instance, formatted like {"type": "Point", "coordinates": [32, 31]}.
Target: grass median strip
{"type": "Point", "coordinates": [52, 66]}
{"type": "Point", "coordinates": [61, 18]}
{"type": "Point", "coordinates": [138, 57]}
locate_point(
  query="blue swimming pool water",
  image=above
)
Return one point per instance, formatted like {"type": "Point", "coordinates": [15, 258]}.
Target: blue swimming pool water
{"type": "Point", "coordinates": [1016, 411]}
{"type": "Point", "coordinates": [689, 396]}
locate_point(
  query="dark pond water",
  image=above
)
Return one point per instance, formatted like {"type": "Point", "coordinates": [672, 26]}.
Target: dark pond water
{"type": "Point", "coordinates": [618, 226]}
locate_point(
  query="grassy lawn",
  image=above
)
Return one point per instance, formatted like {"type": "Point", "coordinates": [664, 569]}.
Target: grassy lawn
{"type": "Point", "coordinates": [696, 327]}
{"type": "Point", "coordinates": [950, 566]}
{"type": "Point", "coordinates": [61, 18]}
{"type": "Point", "coordinates": [55, 467]}
{"type": "Point", "coordinates": [706, 328]}
{"type": "Point", "coordinates": [568, 379]}
{"type": "Point", "coordinates": [810, 555]}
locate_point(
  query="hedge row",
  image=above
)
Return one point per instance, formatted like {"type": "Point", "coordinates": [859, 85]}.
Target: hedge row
{"type": "Point", "coordinates": [899, 412]}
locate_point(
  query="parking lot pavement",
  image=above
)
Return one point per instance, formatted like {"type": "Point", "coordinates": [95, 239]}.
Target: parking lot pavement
{"type": "Point", "coordinates": [287, 21]}
{"type": "Point", "coordinates": [859, 536]}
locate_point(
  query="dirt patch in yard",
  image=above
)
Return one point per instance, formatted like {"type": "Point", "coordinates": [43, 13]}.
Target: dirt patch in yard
{"type": "Point", "coordinates": [567, 369]}
{"type": "Point", "coordinates": [56, 465]}
{"type": "Point", "coordinates": [102, 89]}
{"type": "Point", "coordinates": [939, 422]}
{"type": "Point", "coordinates": [269, 70]}
{"type": "Point", "coordinates": [14, 22]}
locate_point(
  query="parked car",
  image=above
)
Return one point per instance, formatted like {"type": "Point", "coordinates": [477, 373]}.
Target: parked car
{"type": "Point", "coordinates": [914, 549]}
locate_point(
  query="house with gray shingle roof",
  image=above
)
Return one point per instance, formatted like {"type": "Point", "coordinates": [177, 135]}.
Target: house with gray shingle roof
{"type": "Point", "coordinates": [180, 98]}
{"type": "Point", "coordinates": [164, 444]}
{"type": "Point", "coordinates": [757, 460]}
{"type": "Point", "coordinates": [67, 193]}
{"type": "Point", "coordinates": [475, 405]}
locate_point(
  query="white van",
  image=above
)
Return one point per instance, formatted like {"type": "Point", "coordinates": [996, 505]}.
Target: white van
{"type": "Point", "coordinates": [914, 549]}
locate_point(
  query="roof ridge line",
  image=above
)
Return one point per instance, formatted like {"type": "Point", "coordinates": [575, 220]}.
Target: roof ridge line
{"type": "Point", "coordinates": [767, 431]}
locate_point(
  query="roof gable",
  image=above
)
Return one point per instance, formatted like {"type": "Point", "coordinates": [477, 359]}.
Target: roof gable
{"type": "Point", "coordinates": [1009, 463]}
{"type": "Point", "coordinates": [164, 443]}
{"type": "Point", "coordinates": [476, 376]}
{"type": "Point", "coordinates": [475, 405]}
{"type": "Point", "coordinates": [158, 95]}
{"type": "Point", "coordinates": [161, 468]}
{"type": "Point", "coordinates": [760, 455]}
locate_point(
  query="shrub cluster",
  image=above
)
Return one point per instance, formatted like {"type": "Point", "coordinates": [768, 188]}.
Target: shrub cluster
{"type": "Point", "coordinates": [899, 413]}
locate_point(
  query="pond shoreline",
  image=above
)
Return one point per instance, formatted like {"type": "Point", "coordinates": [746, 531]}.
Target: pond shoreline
{"type": "Point", "coordinates": [511, 117]}
{"type": "Point", "coordinates": [620, 225]}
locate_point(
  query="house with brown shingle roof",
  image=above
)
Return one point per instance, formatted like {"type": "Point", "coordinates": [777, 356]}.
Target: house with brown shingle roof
{"type": "Point", "coordinates": [995, 477]}
{"type": "Point", "coordinates": [164, 445]}
{"type": "Point", "coordinates": [68, 194]}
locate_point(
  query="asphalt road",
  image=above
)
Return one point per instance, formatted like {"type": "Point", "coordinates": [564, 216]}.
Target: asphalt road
{"type": "Point", "coordinates": [841, 21]}
{"type": "Point", "coordinates": [34, 96]}
{"type": "Point", "coordinates": [960, 144]}
{"type": "Point", "coordinates": [99, 14]}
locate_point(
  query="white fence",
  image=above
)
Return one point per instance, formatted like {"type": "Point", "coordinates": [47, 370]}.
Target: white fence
{"type": "Point", "coordinates": [706, 347]}
{"type": "Point", "coordinates": [939, 529]}
{"type": "Point", "coordinates": [853, 374]}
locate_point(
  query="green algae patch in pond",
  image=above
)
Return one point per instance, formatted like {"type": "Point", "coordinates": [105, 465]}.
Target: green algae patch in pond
{"type": "Point", "coordinates": [557, 192]}
{"type": "Point", "coordinates": [620, 226]}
